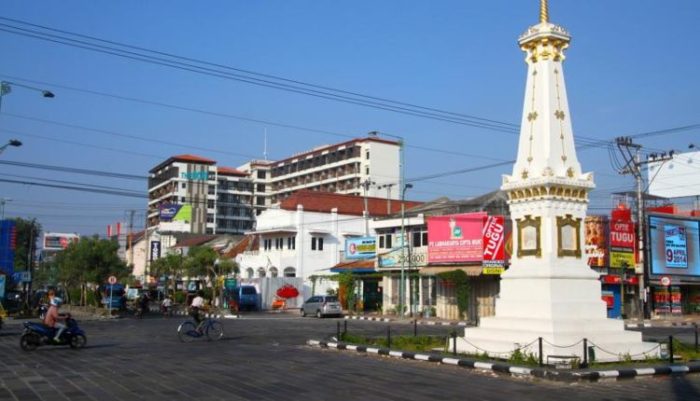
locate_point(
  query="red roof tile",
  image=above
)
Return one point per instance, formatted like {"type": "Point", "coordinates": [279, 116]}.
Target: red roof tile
{"type": "Point", "coordinates": [314, 201]}
{"type": "Point", "coordinates": [186, 158]}
{"type": "Point", "coordinates": [230, 171]}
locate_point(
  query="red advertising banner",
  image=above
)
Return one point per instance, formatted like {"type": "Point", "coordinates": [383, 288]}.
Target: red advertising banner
{"type": "Point", "coordinates": [456, 238]}
{"type": "Point", "coordinates": [622, 234]}
{"type": "Point", "coordinates": [494, 234]}
{"type": "Point", "coordinates": [596, 244]}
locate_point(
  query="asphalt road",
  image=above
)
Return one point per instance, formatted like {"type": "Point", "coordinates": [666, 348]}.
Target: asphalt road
{"type": "Point", "coordinates": [264, 357]}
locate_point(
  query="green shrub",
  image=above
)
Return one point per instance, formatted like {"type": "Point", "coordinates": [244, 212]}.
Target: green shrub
{"type": "Point", "coordinates": [180, 297]}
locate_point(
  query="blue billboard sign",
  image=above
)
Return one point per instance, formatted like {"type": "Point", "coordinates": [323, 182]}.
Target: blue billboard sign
{"type": "Point", "coordinates": [360, 248]}
{"type": "Point", "coordinates": [168, 211]}
{"type": "Point", "coordinates": [8, 242]}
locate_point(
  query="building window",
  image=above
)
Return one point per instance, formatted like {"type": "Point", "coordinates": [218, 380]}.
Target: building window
{"type": "Point", "coordinates": [184, 185]}
{"type": "Point", "coordinates": [260, 201]}
{"type": "Point", "coordinates": [316, 243]}
{"type": "Point", "coordinates": [267, 244]}
{"type": "Point", "coordinates": [367, 170]}
{"type": "Point", "coordinates": [291, 242]}
{"type": "Point", "coordinates": [210, 218]}
{"type": "Point", "coordinates": [367, 155]}
{"type": "Point", "coordinates": [385, 241]}
{"type": "Point", "coordinates": [279, 243]}
{"type": "Point", "coordinates": [273, 272]}
{"type": "Point", "coordinates": [182, 199]}
{"type": "Point", "coordinates": [210, 204]}
{"type": "Point", "coordinates": [261, 174]}
{"type": "Point", "coordinates": [290, 272]}
{"type": "Point", "coordinates": [249, 272]}
{"type": "Point", "coordinates": [419, 238]}
{"type": "Point", "coordinates": [260, 188]}
{"type": "Point", "coordinates": [261, 272]}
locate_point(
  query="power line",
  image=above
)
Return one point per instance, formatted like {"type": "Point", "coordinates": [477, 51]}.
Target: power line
{"type": "Point", "coordinates": [75, 170]}
{"type": "Point", "coordinates": [251, 80]}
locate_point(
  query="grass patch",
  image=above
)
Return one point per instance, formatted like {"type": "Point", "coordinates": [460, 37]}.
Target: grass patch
{"type": "Point", "coordinates": [404, 343]}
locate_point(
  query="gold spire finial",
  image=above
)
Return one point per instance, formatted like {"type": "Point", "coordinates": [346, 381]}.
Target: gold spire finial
{"type": "Point", "coordinates": [544, 11]}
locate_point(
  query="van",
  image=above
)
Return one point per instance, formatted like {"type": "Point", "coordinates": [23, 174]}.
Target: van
{"type": "Point", "coordinates": [246, 297]}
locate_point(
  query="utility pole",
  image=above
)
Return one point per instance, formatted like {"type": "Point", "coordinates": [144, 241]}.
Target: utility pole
{"type": "Point", "coordinates": [633, 166]}
{"type": "Point", "coordinates": [129, 235]}
{"type": "Point", "coordinates": [366, 184]}
{"type": "Point", "coordinates": [388, 196]}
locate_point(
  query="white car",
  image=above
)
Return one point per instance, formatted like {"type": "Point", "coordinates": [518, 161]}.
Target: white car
{"type": "Point", "coordinates": [322, 305]}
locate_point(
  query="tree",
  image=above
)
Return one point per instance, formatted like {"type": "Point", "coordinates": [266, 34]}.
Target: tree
{"type": "Point", "coordinates": [204, 261]}
{"type": "Point", "coordinates": [90, 260]}
{"type": "Point", "coordinates": [171, 266]}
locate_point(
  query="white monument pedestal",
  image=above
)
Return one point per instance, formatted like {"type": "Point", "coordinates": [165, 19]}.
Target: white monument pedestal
{"type": "Point", "coordinates": [563, 309]}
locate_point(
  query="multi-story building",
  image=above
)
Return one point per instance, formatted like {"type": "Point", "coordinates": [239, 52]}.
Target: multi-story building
{"type": "Point", "coordinates": [188, 193]}
{"type": "Point", "coordinates": [368, 166]}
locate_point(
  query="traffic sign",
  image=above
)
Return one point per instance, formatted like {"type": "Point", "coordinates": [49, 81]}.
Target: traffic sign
{"type": "Point", "coordinates": [112, 280]}
{"type": "Point", "coordinates": [665, 281]}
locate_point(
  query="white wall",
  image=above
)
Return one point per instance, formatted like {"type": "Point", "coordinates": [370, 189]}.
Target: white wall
{"type": "Point", "coordinates": [383, 167]}
{"type": "Point", "coordinates": [306, 262]}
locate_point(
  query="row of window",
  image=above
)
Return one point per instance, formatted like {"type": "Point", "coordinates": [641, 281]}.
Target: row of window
{"type": "Point", "coordinates": [418, 239]}
{"type": "Point", "coordinates": [316, 243]}
{"type": "Point", "coordinates": [318, 160]}
{"type": "Point", "coordinates": [279, 243]}
{"type": "Point", "coordinates": [288, 272]}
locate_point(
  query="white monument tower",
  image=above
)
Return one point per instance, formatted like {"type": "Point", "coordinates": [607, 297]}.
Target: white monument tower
{"type": "Point", "coordinates": [549, 291]}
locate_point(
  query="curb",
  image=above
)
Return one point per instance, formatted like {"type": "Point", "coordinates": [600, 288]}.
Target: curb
{"type": "Point", "coordinates": [369, 318]}
{"type": "Point", "coordinates": [498, 367]}
{"type": "Point", "coordinates": [420, 322]}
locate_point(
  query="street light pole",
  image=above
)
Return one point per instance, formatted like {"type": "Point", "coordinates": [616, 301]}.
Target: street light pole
{"type": "Point", "coordinates": [403, 249]}
{"type": "Point", "coordinates": [6, 88]}
{"type": "Point", "coordinates": [11, 142]}
{"type": "Point", "coordinates": [2, 207]}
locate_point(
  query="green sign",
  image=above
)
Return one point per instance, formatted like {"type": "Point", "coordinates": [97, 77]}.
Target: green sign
{"type": "Point", "coordinates": [230, 283]}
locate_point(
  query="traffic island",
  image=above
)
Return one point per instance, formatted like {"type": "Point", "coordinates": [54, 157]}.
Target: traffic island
{"type": "Point", "coordinates": [549, 373]}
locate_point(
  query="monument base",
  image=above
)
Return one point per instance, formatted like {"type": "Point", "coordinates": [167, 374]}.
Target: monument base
{"type": "Point", "coordinates": [563, 311]}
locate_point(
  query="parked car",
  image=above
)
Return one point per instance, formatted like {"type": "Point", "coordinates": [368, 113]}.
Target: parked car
{"type": "Point", "coordinates": [322, 305]}
{"type": "Point", "coordinates": [245, 297]}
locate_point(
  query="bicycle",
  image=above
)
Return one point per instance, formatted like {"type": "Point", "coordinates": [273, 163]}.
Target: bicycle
{"type": "Point", "coordinates": [211, 328]}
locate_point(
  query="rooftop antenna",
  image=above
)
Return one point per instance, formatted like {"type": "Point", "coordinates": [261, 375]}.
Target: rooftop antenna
{"type": "Point", "coordinates": [265, 145]}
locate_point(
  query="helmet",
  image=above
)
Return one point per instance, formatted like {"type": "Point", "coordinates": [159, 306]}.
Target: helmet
{"type": "Point", "coordinates": [56, 301]}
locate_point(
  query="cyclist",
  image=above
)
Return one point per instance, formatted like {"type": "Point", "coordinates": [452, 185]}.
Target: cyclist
{"type": "Point", "coordinates": [195, 307]}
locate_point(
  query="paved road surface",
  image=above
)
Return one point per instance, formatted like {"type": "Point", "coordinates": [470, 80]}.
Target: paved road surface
{"type": "Point", "coordinates": [263, 357]}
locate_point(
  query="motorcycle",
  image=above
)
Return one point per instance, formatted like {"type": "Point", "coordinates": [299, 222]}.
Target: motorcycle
{"type": "Point", "coordinates": [37, 334]}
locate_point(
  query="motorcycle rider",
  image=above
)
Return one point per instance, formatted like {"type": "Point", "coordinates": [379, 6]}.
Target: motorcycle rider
{"type": "Point", "coordinates": [52, 318]}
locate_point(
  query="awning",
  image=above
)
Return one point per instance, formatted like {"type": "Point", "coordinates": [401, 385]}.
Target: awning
{"type": "Point", "coordinates": [355, 266]}
{"type": "Point", "coordinates": [433, 270]}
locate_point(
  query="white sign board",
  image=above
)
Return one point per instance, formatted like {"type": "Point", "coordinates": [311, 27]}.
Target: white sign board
{"type": "Point", "coordinates": [675, 178]}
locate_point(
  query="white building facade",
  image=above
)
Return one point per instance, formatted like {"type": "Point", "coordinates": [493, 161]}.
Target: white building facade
{"type": "Point", "coordinates": [342, 168]}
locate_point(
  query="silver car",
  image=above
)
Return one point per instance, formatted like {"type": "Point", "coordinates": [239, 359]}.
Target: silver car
{"type": "Point", "coordinates": [322, 305]}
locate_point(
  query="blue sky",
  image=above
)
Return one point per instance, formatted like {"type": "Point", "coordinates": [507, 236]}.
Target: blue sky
{"type": "Point", "coordinates": [631, 69]}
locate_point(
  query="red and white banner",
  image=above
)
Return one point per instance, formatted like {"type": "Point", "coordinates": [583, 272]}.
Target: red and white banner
{"type": "Point", "coordinates": [622, 234]}
{"type": "Point", "coordinates": [494, 234]}
{"type": "Point", "coordinates": [456, 238]}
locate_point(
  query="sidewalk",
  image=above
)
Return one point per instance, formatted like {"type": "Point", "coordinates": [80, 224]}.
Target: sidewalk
{"type": "Point", "coordinates": [661, 321]}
